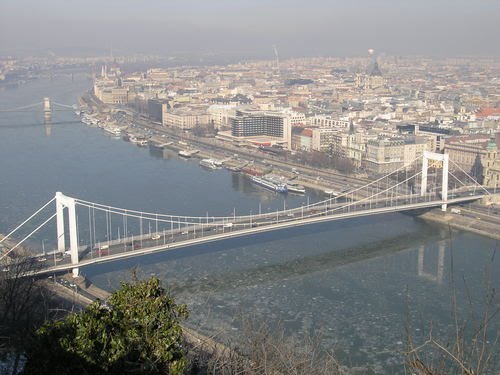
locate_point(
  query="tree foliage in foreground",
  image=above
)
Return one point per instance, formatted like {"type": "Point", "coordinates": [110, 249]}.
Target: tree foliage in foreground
{"type": "Point", "coordinates": [138, 332]}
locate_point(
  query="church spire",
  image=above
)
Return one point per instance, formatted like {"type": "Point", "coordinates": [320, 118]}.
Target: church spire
{"type": "Point", "coordinates": [492, 143]}
{"type": "Point", "coordinates": [351, 127]}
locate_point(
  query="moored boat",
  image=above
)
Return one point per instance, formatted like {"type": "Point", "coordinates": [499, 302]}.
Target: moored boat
{"type": "Point", "coordinates": [209, 163]}
{"type": "Point", "coordinates": [113, 130]}
{"type": "Point", "coordinates": [293, 187]}
{"type": "Point", "coordinates": [331, 193]}
{"type": "Point", "coordinates": [268, 184]}
{"type": "Point", "coordinates": [188, 153]}
{"type": "Point", "coordinates": [233, 169]}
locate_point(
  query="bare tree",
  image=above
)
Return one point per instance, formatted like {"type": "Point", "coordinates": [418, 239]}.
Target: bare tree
{"type": "Point", "coordinates": [23, 305]}
{"type": "Point", "coordinates": [265, 351]}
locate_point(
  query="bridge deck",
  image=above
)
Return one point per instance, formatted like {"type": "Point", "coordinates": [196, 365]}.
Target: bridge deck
{"type": "Point", "coordinates": [242, 229]}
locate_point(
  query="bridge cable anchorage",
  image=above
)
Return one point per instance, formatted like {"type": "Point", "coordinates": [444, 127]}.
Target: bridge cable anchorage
{"type": "Point", "coordinates": [21, 108]}
{"type": "Point", "coordinates": [28, 219]}
{"type": "Point", "coordinates": [28, 236]}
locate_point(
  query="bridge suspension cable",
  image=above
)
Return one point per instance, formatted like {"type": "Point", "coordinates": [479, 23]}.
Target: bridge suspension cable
{"type": "Point", "coordinates": [184, 223]}
{"type": "Point", "coordinates": [63, 105]}
{"type": "Point", "coordinates": [353, 203]}
{"type": "Point", "coordinates": [167, 218]}
{"type": "Point", "coordinates": [409, 187]}
{"type": "Point", "coordinates": [21, 108]}
{"type": "Point", "coordinates": [25, 221]}
{"type": "Point", "coordinates": [28, 236]}
{"type": "Point", "coordinates": [472, 178]}
{"type": "Point", "coordinates": [194, 220]}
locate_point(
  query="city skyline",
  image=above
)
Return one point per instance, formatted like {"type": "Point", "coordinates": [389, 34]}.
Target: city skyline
{"type": "Point", "coordinates": [443, 28]}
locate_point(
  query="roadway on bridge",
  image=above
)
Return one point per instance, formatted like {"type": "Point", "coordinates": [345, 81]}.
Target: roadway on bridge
{"type": "Point", "coordinates": [215, 231]}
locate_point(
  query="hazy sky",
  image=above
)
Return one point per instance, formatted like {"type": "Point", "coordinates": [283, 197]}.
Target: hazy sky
{"type": "Point", "coordinates": [297, 27]}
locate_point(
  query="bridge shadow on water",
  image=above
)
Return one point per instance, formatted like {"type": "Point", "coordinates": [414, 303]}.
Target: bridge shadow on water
{"type": "Point", "coordinates": [38, 124]}
{"type": "Point", "coordinates": [336, 255]}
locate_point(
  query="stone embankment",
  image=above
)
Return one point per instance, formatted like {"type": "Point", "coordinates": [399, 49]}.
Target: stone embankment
{"type": "Point", "coordinates": [80, 292]}
{"type": "Point", "coordinates": [471, 220]}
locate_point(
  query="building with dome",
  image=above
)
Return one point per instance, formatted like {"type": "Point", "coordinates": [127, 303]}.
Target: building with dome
{"type": "Point", "coordinates": [372, 80]}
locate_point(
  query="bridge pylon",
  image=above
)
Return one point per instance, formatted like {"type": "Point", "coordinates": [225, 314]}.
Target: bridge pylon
{"type": "Point", "coordinates": [63, 202]}
{"type": "Point", "coordinates": [47, 108]}
{"type": "Point", "coordinates": [444, 158]}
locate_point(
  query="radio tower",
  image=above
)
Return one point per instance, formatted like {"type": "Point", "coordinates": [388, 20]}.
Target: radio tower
{"type": "Point", "coordinates": [277, 59]}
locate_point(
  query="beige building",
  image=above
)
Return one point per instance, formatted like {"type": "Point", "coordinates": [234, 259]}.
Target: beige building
{"type": "Point", "coordinates": [159, 75]}
{"type": "Point", "coordinates": [302, 140]}
{"type": "Point", "coordinates": [220, 114]}
{"type": "Point", "coordinates": [356, 147]}
{"type": "Point", "coordinates": [186, 117]}
{"type": "Point", "coordinates": [328, 122]}
{"type": "Point", "coordinates": [492, 165]}
{"type": "Point", "coordinates": [387, 155]}
{"type": "Point", "coordinates": [323, 139]}
{"type": "Point", "coordinates": [473, 153]}
{"type": "Point", "coordinates": [113, 95]}
{"type": "Point", "coordinates": [340, 144]}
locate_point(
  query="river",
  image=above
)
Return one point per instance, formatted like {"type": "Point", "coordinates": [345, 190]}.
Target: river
{"type": "Point", "coordinates": [349, 282]}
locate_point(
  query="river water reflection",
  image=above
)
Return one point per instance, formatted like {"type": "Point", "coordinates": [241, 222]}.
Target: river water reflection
{"type": "Point", "coordinates": [347, 281]}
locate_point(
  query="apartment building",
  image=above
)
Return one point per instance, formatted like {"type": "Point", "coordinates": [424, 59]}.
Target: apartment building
{"type": "Point", "coordinates": [248, 124]}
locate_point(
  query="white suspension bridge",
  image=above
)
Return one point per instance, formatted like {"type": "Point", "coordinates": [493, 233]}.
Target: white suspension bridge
{"type": "Point", "coordinates": [88, 233]}
{"type": "Point", "coordinates": [47, 105]}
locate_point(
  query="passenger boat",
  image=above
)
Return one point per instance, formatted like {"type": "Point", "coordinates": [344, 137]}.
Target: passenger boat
{"type": "Point", "coordinates": [233, 169]}
{"type": "Point", "coordinates": [209, 163]}
{"type": "Point", "coordinates": [188, 153]}
{"type": "Point", "coordinates": [293, 187]}
{"type": "Point", "coordinates": [268, 184]}
{"type": "Point", "coordinates": [331, 193]}
{"type": "Point", "coordinates": [113, 131]}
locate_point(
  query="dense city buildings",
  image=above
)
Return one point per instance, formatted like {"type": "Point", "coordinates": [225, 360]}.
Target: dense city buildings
{"type": "Point", "coordinates": [378, 112]}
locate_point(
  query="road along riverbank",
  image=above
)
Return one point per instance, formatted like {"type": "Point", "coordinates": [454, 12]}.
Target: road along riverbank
{"type": "Point", "coordinates": [81, 292]}
{"type": "Point", "coordinates": [466, 220]}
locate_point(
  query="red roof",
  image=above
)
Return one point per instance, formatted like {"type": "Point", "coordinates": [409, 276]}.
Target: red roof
{"type": "Point", "coordinates": [488, 111]}
{"type": "Point", "coordinates": [480, 140]}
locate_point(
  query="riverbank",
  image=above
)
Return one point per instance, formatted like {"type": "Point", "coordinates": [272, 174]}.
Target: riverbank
{"type": "Point", "coordinates": [214, 146]}
{"type": "Point", "coordinates": [469, 223]}
{"type": "Point", "coordinates": [81, 292]}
